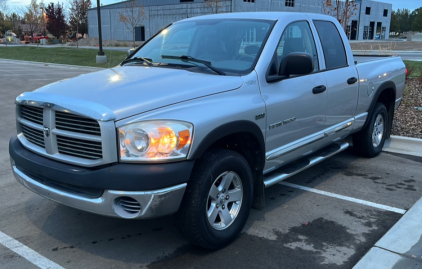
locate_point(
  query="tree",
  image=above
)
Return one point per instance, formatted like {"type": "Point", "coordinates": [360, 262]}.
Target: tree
{"type": "Point", "coordinates": [4, 9]}
{"type": "Point", "coordinates": [216, 6]}
{"type": "Point", "coordinates": [56, 24]}
{"type": "Point", "coordinates": [417, 21]}
{"type": "Point", "coordinates": [394, 25]}
{"type": "Point", "coordinates": [78, 15]}
{"type": "Point", "coordinates": [14, 19]}
{"type": "Point", "coordinates": [342, 10]}
{"type": "Point", "coordinates": [132, 16]}
{"type": "Point", "coordinates": [33, 17]}
{"type": "Point", "coordinates": [404, 20]}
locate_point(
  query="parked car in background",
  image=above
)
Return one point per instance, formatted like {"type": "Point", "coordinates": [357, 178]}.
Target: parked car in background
{"type": "Point", "coordinates": [37, 38]}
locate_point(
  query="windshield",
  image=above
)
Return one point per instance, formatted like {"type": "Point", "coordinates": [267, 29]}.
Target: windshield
{"type": "Point", "coordinates": [231, 45]}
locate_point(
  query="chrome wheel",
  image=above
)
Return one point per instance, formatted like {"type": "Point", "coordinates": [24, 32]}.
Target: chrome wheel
{"type": "Point", "coordinates": [378, 131]}
{"type": "Point", "coordinates": [224, 200]}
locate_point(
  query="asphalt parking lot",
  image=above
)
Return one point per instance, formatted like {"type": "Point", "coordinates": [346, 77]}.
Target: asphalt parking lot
{"type": "Point", "coordinates": [298, 228]}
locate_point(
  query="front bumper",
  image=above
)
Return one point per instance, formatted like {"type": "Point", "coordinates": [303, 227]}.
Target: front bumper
{"type": "Point", "coordinates": [91, 188]}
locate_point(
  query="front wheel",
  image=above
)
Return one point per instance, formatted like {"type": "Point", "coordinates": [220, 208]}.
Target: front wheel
{"type": "Point", "coordinates": [217, 200]}
{"type": "Point", "coordinates": [369, 141]}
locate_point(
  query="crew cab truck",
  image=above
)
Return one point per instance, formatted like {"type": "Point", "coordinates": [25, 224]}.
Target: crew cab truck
{"type": "Point", "coordinates": [202, 118]}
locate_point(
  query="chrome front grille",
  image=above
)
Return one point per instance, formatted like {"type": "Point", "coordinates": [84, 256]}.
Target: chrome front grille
{"type": "Point", "coordinates": [79, 148]}
{"type": "Point", "coordinates": [32, 114]}
{"type": "Point", "coordinates": [62, 135]}
{"type": "Point", "coordinates": [33, 135]}
{"type": "Point", "coordinates": [75, 123]}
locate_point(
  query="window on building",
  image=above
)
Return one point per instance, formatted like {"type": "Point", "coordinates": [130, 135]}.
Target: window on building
{"type": "Point", "coordinates": [368, 11]}
{"type": "Point", "coordinates": [348, 31]}
{"type": "Point", "coordinates": [290, 3]}
{"type": "Point", "coordinates": [186, 1]}
{"type": "Point", "coordinates": [365, 32]}
{"type": "Point", "coordinates": [385, 12]}
{"type": "Point", "coordinates": [332, 44]}
{"type": "Point", "coordinates": [249, 1]}
{"type": "Point", "coordinates": [383, 32]}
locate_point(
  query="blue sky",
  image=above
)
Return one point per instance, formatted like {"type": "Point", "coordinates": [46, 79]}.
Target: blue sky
{"type": "Point", "coordinates": [410, 4]}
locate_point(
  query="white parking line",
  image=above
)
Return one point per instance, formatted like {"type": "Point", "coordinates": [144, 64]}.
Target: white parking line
{"type": "Point", "coordinates": [27, 253]}
{"type": "Point", "coordinates": [346, 198]}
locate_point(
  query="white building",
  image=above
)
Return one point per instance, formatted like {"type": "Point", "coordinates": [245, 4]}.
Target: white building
{"type": "Point", "coordinates": [370, 21]}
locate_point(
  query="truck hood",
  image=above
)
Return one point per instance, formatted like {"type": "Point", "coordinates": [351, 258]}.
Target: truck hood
{"type": "Point", "coordinates": [122, 92]}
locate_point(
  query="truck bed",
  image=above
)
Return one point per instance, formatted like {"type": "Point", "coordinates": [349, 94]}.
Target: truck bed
{"type": "Point", "coordinates": [370, 58]}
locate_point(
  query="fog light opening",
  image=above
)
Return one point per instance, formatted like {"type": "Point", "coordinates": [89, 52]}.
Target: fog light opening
{"type": "Point", "coordinates": [127, 207]}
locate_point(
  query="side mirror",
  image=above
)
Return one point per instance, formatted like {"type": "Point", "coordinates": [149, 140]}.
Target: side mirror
{"type": "Point", "coordinates": [296, 63]}
{"type": "Point", "coordinates": [130, 51]}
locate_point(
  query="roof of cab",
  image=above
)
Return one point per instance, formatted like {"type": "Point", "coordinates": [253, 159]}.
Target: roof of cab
{"type": "Point", "coordinates": [244, 15]}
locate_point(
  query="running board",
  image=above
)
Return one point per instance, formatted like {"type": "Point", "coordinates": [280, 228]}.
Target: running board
{"type": "Point", "coordinates": [298, 166]}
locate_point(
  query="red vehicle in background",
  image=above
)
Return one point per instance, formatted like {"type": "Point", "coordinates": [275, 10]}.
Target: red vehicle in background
{"type": "Point", "coordinates": [38, 38]}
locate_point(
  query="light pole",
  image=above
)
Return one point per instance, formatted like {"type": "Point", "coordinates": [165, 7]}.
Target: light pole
{"type": "Point", "coordinates": [43, 15]}
{"type": "Point", "coordinates": [101, 58]}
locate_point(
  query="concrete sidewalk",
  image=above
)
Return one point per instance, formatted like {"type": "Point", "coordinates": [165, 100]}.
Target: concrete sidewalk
{"type": "Point", "coordinates": [401, 246]}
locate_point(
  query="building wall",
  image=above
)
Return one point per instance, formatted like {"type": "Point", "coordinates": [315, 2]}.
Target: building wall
{"type": "Point", "coordinates": [159, 13]}
{"type": "Point", "coordinates": [310, 6]}
{"type": "Point", "coordinates": [377, 15]}
{"type": "Point", "coordinates": [156, 18]}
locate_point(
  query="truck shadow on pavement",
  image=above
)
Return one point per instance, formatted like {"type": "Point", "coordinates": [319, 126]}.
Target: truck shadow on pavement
{"type": "Point", "coordinates": [296, 229]}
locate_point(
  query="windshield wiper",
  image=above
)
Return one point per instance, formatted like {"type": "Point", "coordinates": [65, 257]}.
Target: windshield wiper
{"type": "Point", "coordinates": [192, 59]}
{"type": "Point", "coordinates": [138, 59]}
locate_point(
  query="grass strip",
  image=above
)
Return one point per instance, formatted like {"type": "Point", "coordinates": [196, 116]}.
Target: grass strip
{"type": "Point", "coordinates": [67, 55]}
{"type": "Point", "coordinates": [414, 68]}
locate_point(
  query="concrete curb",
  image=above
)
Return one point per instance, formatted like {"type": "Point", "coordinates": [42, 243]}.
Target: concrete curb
{"type": "Point", "coordinates": [404, 145]}
{"type": "Point", "coordinates": [53, 64]}
{"type": "Point", "coordinates": [400, 247]}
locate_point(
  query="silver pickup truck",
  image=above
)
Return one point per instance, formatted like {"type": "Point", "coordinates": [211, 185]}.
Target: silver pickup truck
{"type": "Point", "coordinates": [202, 118]}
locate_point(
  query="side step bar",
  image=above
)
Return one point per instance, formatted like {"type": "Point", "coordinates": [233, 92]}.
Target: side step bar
{"type": "Point", "coordinates": [292, 169]}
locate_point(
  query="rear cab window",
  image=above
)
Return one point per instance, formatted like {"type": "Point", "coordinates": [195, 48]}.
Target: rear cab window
{"type": "Point", "coordinates": [332, 44]}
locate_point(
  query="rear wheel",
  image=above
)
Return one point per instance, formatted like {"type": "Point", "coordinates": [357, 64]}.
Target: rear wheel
{"type": "Point", "coordinates": [217, 200]}
{"type": "Point", "coordinates": [369, 141]}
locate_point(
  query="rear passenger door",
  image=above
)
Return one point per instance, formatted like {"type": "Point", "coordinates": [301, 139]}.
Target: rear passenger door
{"type": "Point", "coordinates": [342, 79]}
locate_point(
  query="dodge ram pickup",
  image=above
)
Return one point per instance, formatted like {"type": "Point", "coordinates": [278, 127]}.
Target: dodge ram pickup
{"type": "Point", "coordinates": [201, 118]}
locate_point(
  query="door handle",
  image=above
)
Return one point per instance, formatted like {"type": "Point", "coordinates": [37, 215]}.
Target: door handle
{"type": "Point", "coordinates": [351, 81]}
{"type": "Point", "coordinates": [319, 89]}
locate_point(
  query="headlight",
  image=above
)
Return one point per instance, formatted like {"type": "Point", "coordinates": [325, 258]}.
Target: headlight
{"type": "Point", "coordinates": [155, 141]}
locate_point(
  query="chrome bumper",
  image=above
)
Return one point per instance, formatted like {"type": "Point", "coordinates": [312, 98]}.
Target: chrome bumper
{"type": "Point", "coordinates": [152, 203]}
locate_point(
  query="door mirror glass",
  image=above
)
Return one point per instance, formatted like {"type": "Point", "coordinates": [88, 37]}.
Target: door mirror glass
{"type": "Point", "coordinates": [296, 63]}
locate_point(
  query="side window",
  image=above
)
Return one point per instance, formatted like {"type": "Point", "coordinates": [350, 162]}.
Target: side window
{"type": "Point", "coordinates": [297, 37]}
{"type": "Point", "coordinates": [332, 44]}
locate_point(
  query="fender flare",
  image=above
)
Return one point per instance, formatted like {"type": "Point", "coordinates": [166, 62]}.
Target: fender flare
{"type": "Point", "coordinates": [384, 86]}
{"type": "Point", "coordinates": [241, 126]}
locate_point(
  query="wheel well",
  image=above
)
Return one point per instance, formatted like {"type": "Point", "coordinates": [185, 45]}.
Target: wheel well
{"type": "Point", "coordinates": [387, 97]}
{"type": "Point", "coordinates": [249, 147]}
{"type": "Point", "coordinates": [245, 144]}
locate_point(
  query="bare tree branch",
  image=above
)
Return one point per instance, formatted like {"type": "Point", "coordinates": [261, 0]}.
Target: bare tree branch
{"type": "Point", "coordinates": [132, 16]}
{"type": "Point", "coordinates": [342, 10]}
{"type": "Point", "coordinates": [216, 6]}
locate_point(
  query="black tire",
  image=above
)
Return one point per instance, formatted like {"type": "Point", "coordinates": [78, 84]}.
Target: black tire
{"type": "Point", "coordinates": [363, 141]}
{"type": "Point", "coordinates": [192, 218]}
